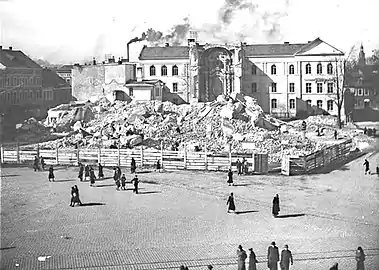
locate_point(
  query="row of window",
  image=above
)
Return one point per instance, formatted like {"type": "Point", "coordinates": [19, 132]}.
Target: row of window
{"type": "Point", "coordinates": [174, 70]}
{"type": "Point", "coordinates": [19, 81]}
{"type": "Point", "coordinates": [329, 104]}
{"type": "Point", "coordinates": [308, 88]}
{"type": "Point", "coordinates": [291, 69]}
{"type": "Point", "coordinates": [361, 92]}
{"type": "Point", "coordinates": [27, 95]}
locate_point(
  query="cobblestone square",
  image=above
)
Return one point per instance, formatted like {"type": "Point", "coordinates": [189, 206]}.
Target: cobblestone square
{"type": "Point", "coordinates": [181, 218]}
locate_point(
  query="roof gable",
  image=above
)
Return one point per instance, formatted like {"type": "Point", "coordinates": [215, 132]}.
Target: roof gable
{"type": "Point", "coordinates": [16, 59]}
{"type": "Point", "coordinates": [272, 49]}
{"type": "Point", "coordinates": [319, 47]}
{"type": "Point", "coordinates": [161, 53]}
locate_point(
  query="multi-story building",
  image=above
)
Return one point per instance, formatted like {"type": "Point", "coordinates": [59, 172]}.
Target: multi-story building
{"type": "Point", "coordinates": [286, 79]}
{"type": "Point", "coordinates": [20, 85]}
{"type": "Point", "coordinates": [362, 90]}
{"type": "Point", "coordinates": [65, 72]}
{"type": "Point", "coordinates": [55, 90]}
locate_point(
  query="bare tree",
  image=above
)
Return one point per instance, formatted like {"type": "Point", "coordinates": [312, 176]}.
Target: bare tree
{"type": "Point", "coordinates": [339, 80]}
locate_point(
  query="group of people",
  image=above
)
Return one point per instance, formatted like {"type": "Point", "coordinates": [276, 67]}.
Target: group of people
{"type": "Point", "coordinates": [120, 179]}
{"type": "Point", "coordinates": [39, 163]}
{"type": "Point", "coordinates": [275, 205]}
{"type": "Point", "coordinates": [367, 167]}
{"type": "Point", "coordinates": [89, 173]}
{"type": "Point", "coordinates": [285, 259]}
{"type": "Point", "coordinates": [242, 166]}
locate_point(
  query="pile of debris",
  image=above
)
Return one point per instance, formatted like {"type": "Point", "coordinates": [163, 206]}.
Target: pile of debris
{"type": "Point", "coordinates": [32, 130]}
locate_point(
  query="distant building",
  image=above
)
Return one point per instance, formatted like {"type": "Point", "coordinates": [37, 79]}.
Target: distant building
{"type": "Point", "coordinates": [65, 72]}
{"type": "Point", "coordinates": [20, 86]}
{"type": "Point", "coordinates": [362, 90]}
{"type": "Point", "coordinates": [102, 79]}
{"type": "Point", "coordinates": [55, 90]}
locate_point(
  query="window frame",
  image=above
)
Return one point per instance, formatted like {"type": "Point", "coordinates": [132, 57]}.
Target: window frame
{"type": "Point", "coordinates": [254, 87]}
{"type": "Point", "coordinates": [273, 69]}
{"type": "Point", "coordinates": [291, 69]}
{"type": "Point", "coordinates": [308, 69]}
{"type": "Point", "coordinates": [164, 70]}
{"type": "Point", "coordinates": [274, 88]}
{"type": "Point", "coordinates": [253, 69]}
{"type": "Point", "coordinates": [292, 104]}
{"type": "Point", "coordinates": [152, 70]}
{"type": "Point", "coordinates": [329, 105]}
{"type": "Point", "coordinates": [306, 88]}
{"type": "Point", "coordinates": [175, 70]}
{"type": "Point", "coordinates": [175, 87]}
{"type": "Point", "coordinates": [330, 88]}
{"type": "Point", "coordinates": [329, 69]}
{"type": "Point", "coordinates": [319, 88]}
{"type": "Point", "coordinates": [292, 87]}
{"type": "Point", "coordinates": [319, 68]}
{"type": "Point", "coordinates": [274, 101]}
{"type": "Point", "coordinates": [317, 102]}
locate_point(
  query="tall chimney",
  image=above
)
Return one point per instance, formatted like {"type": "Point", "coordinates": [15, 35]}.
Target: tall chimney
{"type": "Point", "coordinates": [127, 52]}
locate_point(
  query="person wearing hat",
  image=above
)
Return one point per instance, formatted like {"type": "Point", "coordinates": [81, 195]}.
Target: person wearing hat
{"type": "Point", "coordinates": [242, 256]}
{"type": "Point", "coordinates": [252, 260]}
{"type": "Point", "coordinates": [272, 257]}
{"type": "Point", "coordinates": [286, 258]}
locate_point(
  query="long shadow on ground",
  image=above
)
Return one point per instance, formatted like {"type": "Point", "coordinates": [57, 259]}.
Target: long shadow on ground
{"type": "Point", "coordinates": [92, 204]}
{"type": "Point", "coordinates": [149, 192]}
{"type": "Point", "coordinates": [246, 212]}
{"type": "Point", "coordinates": [290, 215]}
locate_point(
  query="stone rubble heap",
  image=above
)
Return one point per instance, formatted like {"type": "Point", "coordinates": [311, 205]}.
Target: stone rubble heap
{"type": "Point", "coordinates": [214, 126]}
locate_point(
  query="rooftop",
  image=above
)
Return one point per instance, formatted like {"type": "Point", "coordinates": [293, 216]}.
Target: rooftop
{"type": "Point", "coordinates": [16, 59]}
{"type": "Point", "coordinates": [51, 79]}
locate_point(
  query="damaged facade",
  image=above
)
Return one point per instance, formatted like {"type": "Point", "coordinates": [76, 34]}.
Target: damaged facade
{"type": "Point", "coordinates": [286, 79]}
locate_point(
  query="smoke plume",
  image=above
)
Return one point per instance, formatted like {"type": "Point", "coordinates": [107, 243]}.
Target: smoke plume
{"type": "Point", "coordinates": [228, 9]}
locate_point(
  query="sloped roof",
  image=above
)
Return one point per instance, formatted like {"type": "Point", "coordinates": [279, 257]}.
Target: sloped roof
{"type": "Point", "coordinates": [65, 68]}
{"type": "Point", "coordinates": [142, 83]}
{"type": "Point", "coordinates": [272, 49]}
{"type": "Point", "coordinates": [16, 59]}
{"type": "Point", "coordinates": [51, 79]}
{"type": "Point", "coordinates": [159, 53]}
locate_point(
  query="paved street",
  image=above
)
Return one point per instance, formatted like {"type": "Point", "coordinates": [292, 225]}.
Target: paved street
{"type": "Point", "coordinates": [180, 218]}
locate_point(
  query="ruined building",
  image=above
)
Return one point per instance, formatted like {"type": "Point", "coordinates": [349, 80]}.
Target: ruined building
{"type": "Point", "coordinates": [286, 79]}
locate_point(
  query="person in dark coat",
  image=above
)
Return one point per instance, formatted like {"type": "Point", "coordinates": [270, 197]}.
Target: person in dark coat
{"type": "Point", "coordinates": [243, 165]}
{"type": "Point", "coordinates": [81, 171]}
{"type": "Point", "coordinates": [241, 254]}
{"type": "Point", "coordinates": [42, 161]}
{"type": "Point", "coordinates": [377, 170]}
{"type": "Point", "coordinates": [252, 260]}
{"type": "Point", "coordinates": [51, 173]}
{"type": "Point", "coordinates": [123, 182]}
{"type": "Point", "coordinates": [230, 177]}
{"type": "Point", "coordinates": [286, 258]}
{"type": "Point", "coordinates": [75, 196]}
{"type": "Point", "coordinates": [36, 163]}
{"type": "Point", "coordinates": [360, 258]}
{"type": "Point", "coordinates": [115, 173]}
{"type": "Point", "coordinates": [275, 206]}
{"type": "Point", "coordinates": [335, 134]}
{"type": "Point", "coordinates": [272, 257]}
{"type": "Point", "coordinates": [238, 165]}
{"type": "Point", "coordinates": [334, 267]}
{"type": "Point", "coordinates": [158, 165]}
{"type": "Point", "coordinates": [367, 168]}
{"type": "Point", "coordinates": [92, 176]}
{"type": "Point", "coordinates": [230, 203]}
{"type": "Point", "coordinates": [101, 173]}
{"type": "Point", "coordinates": [117, 182]}
{"type": "Point", "coordinates": [133, 166]}
{"type": "Point", "coordinates": [135, 181]}
{"type": "Point", "coordinates": [86, 172]}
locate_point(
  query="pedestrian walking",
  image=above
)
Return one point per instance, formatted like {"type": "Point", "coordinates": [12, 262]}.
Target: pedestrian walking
{"type": "Point", "coordinates": [133, 166]}
{"type": "Point", "coordinates": [51, 174]}
{"type": "Point", "coordinates": [275, 206]}
{"type": "Point", "coordinates": [367, 166]}
{"type": "Point", "coordinates": [123, 182]}
{"type": "Point", "coordinates": [92, 176]}
{"type": "Point", "coordinates": [42, 161]}
{"type": "Point", "coordinates": [36, 163]}
{"type": "Point", "coordinates": [230, 177]}
{"type": "Point", "coordinates": [115, 173]}
{"type": "Point", "coordinates": [252, 260]}
{"type": "Point", "coordinates": [360, 258]}
{"type": "Point", "coordinates": [86, 172]}
{"type": "Point", "coordinates": [241, 254]}
{"type": "Point", "coordinates": [81, 171]}
{"type": "Point", "coordinates": [377, 170]}
{"type": "Point", "coordinates": [272, 256]}
{"type": "Point", "coordinates": [75, 196]}
{"type": "Point", "coordinates": [117, 182]}
{"type": "Point", "coordinates": [238, 164]}
{"type": "Point", "coordinates": [101, 173]}
{"type": "Point", "coordinates": [135, 181]}
{"type": "Point", "coordinates": [335, 134]}
{"type": "Point", "coordinates": [230, 203]}
{"type": "Point", "coordinates": [243, 165]}
{"type": "Point", "coordinates": [246, 167]}
{"type": "Point", "coordinates": [158, 166]}
{"type": "Point", "coordinates": [286, 258]}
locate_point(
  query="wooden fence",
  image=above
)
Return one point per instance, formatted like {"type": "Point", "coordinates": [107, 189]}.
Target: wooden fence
{"type": "Point", "coordinates": [305, 164]}
{"type": "Point", "coordinates": [145, 158]}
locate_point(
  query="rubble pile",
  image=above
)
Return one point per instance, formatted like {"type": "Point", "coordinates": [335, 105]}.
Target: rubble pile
{"type": "Point", "coordinates": [216, 126]}
{"type": "Point", "coordinates": [32, 130]}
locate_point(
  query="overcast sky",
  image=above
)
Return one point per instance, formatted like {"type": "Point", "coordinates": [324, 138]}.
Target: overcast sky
{"type": "Point", "coordinates": [74, 30]}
